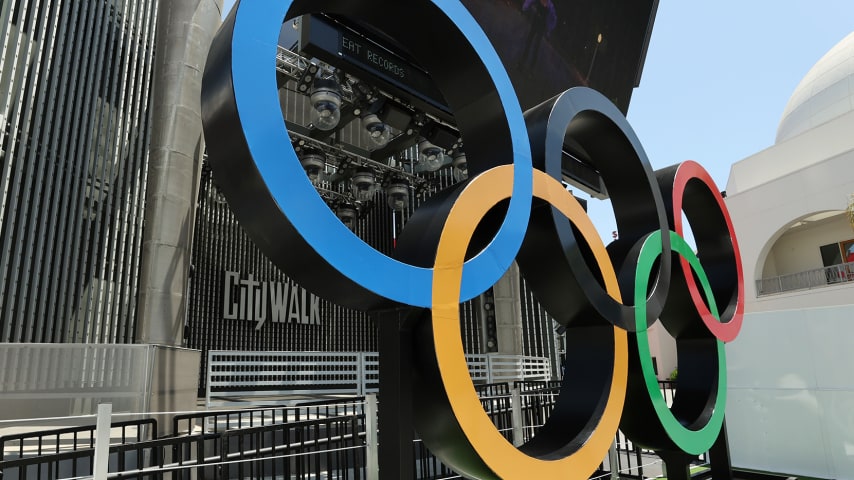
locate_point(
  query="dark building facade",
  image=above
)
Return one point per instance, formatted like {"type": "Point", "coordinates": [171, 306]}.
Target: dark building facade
{"type": "Point", "coordinates": [76, 90]}
{"type": "Point", "coordinates": [240, 301]}
{"type": "Point", "coordinates": [75, 81]}
{"type": "Point", "coordinates": [236, 299]}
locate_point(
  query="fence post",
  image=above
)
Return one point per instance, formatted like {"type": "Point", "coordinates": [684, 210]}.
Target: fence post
{"type": "Point", "coordinates": [208, 382]}
{"type": "Point", "coordinates": [612, 461]}
{"type": "Point", "coordinates": [362, 374]}
{"type": "Point", "coordinates": [372, 464]}
{"type": "Point", "coordinates": [101, 463]}
{"type": "Point", "coordinates": [516, 411]}
{"type": "Point", "coordinates": [396, 337]}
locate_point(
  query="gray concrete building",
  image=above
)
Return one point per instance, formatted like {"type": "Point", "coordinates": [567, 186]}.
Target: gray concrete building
{"type": "Point", "coordinates": [90, 123]}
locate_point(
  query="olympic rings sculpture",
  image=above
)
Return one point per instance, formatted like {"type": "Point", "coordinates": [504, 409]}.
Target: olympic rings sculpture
{"type": "Point", "coordinates": [605, 296]}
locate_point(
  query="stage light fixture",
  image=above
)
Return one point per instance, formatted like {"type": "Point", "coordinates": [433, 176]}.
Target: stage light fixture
{"type": "Point", "coordinates": [430, 156]}
{"type": "Point", "coordinates": [326, 104]}
{"type": "Point", "coordinates": [314, 164]}
{"type": "Point", "coordinates": [347, 213]}
{"type": "Point", "coordinates": [461, 167]}
{"type": "Point", "coordinates": [397, 193]}
{"type": "Point", "coordinates": [376, 131]}
{"type": "Point", "coordinates": [363, 184]}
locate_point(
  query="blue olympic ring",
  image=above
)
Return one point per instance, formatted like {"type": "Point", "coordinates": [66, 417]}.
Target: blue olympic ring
{"type": "Point", "coordinates": [254, 42]}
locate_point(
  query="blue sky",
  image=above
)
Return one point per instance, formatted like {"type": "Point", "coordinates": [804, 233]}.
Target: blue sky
{"type": "Point", "coordinates": [718, 75]}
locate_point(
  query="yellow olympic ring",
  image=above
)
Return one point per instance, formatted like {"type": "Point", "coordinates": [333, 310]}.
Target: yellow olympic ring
{"type": "Point", "coordinates": [504, 459]}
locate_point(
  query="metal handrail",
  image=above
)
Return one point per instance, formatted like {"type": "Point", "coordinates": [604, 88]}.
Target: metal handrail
{"type": "Point", "coordinates": [819, 277]}
{"type": "Point", "coordinates": [214, 421]}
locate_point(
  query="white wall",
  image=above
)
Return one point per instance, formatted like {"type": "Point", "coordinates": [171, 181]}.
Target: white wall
{"type": "Point", "coordinates": [790, 401]}
{"type": "Point", "coordinates": [761, 215]}
{"type": "Point", "coordinates": [796, 154]}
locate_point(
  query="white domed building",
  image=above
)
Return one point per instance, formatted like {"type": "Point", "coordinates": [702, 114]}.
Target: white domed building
{"type": "Point", "coordinates": [791, 387]}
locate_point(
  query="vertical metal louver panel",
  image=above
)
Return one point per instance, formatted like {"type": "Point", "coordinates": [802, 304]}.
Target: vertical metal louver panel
{"type": "Point", "coordinates": [539, 336]}
{"type": "Point", "coordinates": [74, 80]}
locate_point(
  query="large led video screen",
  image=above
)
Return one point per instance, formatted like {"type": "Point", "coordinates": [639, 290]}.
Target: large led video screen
{"type": "Point", "coordinates": [548, 46]}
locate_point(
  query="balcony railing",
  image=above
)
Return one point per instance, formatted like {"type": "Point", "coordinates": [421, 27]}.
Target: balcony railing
{"type": "Point", "coordinates": [820, 277]}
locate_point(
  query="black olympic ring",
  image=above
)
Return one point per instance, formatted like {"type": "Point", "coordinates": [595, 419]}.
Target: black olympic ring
{"type": "Point", "coordinates": [513, 206]}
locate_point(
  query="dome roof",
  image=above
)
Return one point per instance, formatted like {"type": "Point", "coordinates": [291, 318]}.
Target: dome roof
{"type": "Point", "coordinates": [825, 93]}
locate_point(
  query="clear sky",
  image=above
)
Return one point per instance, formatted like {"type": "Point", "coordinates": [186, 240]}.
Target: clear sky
{"type": "Point", "coordinates": [718, 75]}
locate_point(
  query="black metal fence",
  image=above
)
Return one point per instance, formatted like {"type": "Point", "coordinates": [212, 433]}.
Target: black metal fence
{"type": "Point", "coordinates": [213, 421]}
{"type": "Point", "coordinates": [328, 448]}
{"type": "Point", "coordinates": [58, 440]}
{"type": "Point", "coordinates": [323, 439]}
{"type": "Point", "coordinates": [70, 464]}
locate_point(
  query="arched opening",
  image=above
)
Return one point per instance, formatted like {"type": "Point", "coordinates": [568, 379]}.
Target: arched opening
{"type": "Point", "coordinates": [809, 252]}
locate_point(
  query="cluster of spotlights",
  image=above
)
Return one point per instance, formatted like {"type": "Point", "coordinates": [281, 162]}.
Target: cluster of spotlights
{"type": "Point", "coordinates": [325, 100]}
{"type": "Point", "coordinates": [432, 158]}
{"type": "Point", "coordinates": [363, 187]}
{"type": "Point", "coordinates": [397, 197]}
{"type": "Point", "coordinates": [364, 182]}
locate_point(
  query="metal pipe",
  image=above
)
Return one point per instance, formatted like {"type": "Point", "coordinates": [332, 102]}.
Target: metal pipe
{"type": "Point", "coordinates": [184, 32]}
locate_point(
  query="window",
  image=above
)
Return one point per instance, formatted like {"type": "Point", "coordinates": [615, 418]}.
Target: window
{"type": "Point", "coordinates": [847, 248]}
{"type": "Point", "coordinates": [831, 254]}
{"type": "Point", "coordinates": [839, 254]}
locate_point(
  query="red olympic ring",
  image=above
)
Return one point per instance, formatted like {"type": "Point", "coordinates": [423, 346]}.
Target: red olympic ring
{"type": "Point", "coordinates": [692, 178]}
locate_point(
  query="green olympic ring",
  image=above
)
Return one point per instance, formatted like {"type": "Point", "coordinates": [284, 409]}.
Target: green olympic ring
{"type": "Point", "coordinates": [693, 441]}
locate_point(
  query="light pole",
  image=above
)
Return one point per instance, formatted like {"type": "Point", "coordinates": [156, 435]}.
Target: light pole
{"type": "Point", "coordinates": [593, 60]}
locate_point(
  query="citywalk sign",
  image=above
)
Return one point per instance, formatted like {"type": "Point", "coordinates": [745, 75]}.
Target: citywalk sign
{"type": "Point", "coordinates": [252, 300]}
{"type": "Point", "coordinates": [606, 297]}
